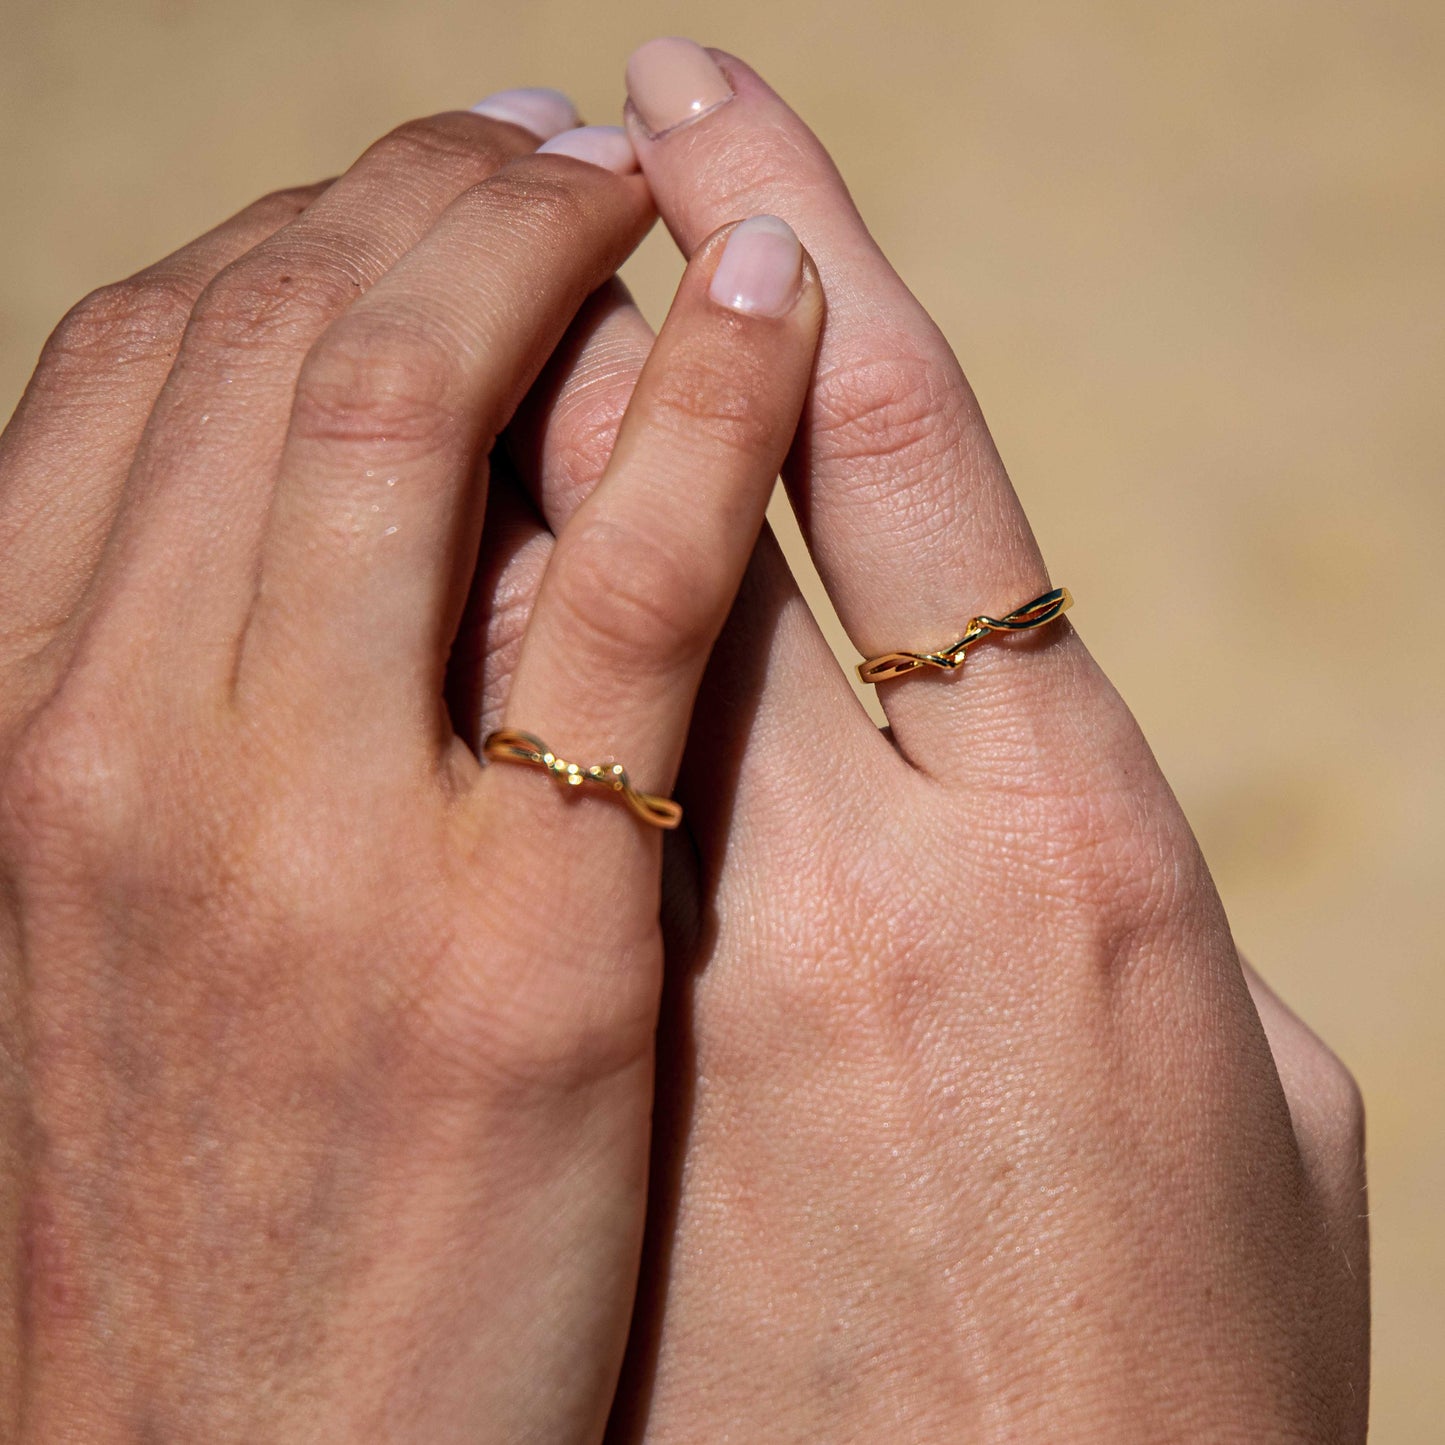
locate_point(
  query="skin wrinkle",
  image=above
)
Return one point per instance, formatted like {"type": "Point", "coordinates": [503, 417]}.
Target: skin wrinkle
{"type": "Point", "coordinates": [505, 626]}
{"type": "Point", "coordinates": [871, 417]}
{"type": "Point", "coordinates": [124, 324]}
{"type": "Point", "coordinates": [252, 315]}
{"type": "Point", "coordinates": [593, 416]}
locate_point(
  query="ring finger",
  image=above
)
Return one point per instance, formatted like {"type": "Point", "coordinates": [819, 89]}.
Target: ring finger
{"type": "Point", "coordinates": [373, 531]}
{"type": "Point", "coordinates": [901, 495]}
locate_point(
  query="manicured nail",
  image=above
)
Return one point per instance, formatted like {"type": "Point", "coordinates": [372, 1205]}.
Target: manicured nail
{"type": "Point", "coordinates": [761, 268]}
{"type": "Point", "coordinates": [599, 145]}
{"type": "Point", "coordinates": [535, 108]}
{"type": "Point", "coordinates": [673, 81]}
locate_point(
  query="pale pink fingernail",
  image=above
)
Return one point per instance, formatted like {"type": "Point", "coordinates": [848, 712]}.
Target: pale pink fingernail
{"type": "Point", "coordinates": [672, 81]}
{"type": "Point", "coordinates": [599, 145]}
{"type": "Point", "coordinates": [535, 108]}
{"type": "Point", "coordinates": [761, 268]}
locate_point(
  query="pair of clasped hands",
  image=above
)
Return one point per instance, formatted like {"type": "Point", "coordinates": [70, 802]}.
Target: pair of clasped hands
{"type": "Point", "coordinates": [357, 1089]}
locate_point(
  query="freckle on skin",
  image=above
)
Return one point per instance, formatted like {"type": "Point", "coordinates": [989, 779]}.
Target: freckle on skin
{"type": "Point", "coordinates": [47, 1293]}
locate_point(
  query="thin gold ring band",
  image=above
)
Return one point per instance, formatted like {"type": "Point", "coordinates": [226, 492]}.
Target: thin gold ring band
{"type": "Point", "coordinates": [888, 665]}
{"type": "Point", "coordinates": [508, 745]}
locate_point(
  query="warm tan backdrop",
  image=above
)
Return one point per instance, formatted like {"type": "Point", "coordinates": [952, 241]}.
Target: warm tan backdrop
{"type": "Point", "coordinates": [1192, 257]}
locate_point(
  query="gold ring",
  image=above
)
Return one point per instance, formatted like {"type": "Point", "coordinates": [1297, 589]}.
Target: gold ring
{"type": "Point", "coordinates": [507, 745]}
{"type": "Point", "coordinates": [1043, 609]}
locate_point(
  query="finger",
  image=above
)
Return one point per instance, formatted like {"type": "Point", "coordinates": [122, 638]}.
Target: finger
{"type": "Point", "coordinates": [65, 455]}
{"type": "Point", "coordinates": [376, 516]}
{"type": "Point", "coordinates": [567, 425]}
{"type": "Point", "coordinates": [772, 672]}
{"type": "Point", "coordinates": [642, 577]}
{"type": "Point", "coordinates": [899, 491]}
{"type": "Point", "coordinates": [772, 668]}
{"type": "Point", "coordinates": [515, 548]}
{"type": "Point", "coordinates": [551, 457]}
{"type": "Point", "coordinates": [201, 485]}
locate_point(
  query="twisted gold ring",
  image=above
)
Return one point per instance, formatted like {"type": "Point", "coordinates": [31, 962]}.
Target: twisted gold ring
{"type": "Point", "coordinates": [888, 665]}
{"type": "Point", "coordinates": [508, 745]}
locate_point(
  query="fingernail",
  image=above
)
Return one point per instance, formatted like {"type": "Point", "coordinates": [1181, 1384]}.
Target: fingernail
{"type": "Point", "coordinates": [599, 145]}
{"type": "Point", "coordinates": [535, 108]}
{"type": "Point", "coordinates": [760, 269]}
{"type": "Point", "coordinates": [672, 81]}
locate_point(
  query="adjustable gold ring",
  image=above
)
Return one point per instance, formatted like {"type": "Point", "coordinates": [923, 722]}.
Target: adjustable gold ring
{"type": "Point", "coordinates": [1043, 609]}
{"type": "Point", "coordinates": [508, 745]}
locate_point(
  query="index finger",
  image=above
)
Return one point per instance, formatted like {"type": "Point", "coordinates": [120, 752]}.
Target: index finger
{"type": "Point", "coordinates": [900, 492]}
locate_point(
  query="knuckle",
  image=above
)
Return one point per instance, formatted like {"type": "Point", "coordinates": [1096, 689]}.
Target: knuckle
{"type": "Point", "coordinates": [1078, 813]}
{"type": "Point", "coordinates": [631, 602]}
{"type": "Point", "coordinates": [448, 140]}
{"type": "Point", "coordinates": [711, 399]}
{"type": "Point", "coordinates": [763, 164]}
{"type": "Point", "coordinates": [528, 1037]}
{"type": "Point", "coordinates": [542, 211]}
{"type": "Point", "coordinates": [890, 426]}
{"type": "Point", "coordinates": [275, 295]}
{"type": "Point", "coordinates": [528, 1016]}
{"type": "Point", "coordinates": [375, 380]}
{"type": "Point", "coordinates": [826, 986]}
{"type": "Point", "coordinates": [1104, 871]}
{"type": "Point", "coordinates": [1351, 1115]}
{"type": "Point", "coordinates": [880, 405]}
{"type": "Point", "coordinates": [127, 321]}
{"type": "Point", "coordinates": [70, 788]}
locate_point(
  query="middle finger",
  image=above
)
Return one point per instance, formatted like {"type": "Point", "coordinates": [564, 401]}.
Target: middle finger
{"type": "Point", "coordinates": [374, 527]}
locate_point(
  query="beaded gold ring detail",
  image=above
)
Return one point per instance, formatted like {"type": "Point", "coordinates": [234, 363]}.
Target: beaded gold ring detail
{"type": "Point", "coordinates": [508, 745]}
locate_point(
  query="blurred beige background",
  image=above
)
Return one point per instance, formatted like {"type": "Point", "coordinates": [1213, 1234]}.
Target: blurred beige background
{"type": "Point", "coordinates": [1191, 255]}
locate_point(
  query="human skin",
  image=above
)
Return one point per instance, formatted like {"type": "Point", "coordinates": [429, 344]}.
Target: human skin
{"type": "Point", "coordinates": [972, 1125]}
{"type": "Point", "coordinates": [968, 1128]}
{"type": "Point", "coordinates": [326, 1054]}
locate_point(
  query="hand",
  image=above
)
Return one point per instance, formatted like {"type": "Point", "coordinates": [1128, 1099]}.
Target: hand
{"type": "Point", "coordinates": [974, 1129]}
{"type": "Point", "coordinates": [327, 1052]}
